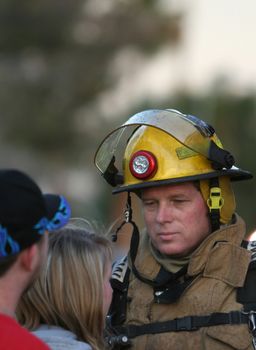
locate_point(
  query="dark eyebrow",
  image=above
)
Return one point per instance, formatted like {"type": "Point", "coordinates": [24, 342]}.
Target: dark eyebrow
{"type": "Point", "coordinates": [147, 199]}
{"type": "Point", "coordinates": [172, 196]}
{"type": "Point", "coordinates": [180, 195]}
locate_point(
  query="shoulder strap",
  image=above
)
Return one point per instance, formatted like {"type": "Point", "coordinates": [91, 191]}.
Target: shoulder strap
{"type": "Point", "coordinates": [119, 283]}
{"type": "Point", "coordinates": [246, 295]}
{"type": "Point", "coordinates": [187, 323]}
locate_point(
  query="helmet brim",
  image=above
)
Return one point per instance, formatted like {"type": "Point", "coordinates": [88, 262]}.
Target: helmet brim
{"type": "Point", "coordinates": [235, 174]}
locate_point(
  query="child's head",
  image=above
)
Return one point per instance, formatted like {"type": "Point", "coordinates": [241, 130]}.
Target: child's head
{"type": "Point", "coordinates": [73, 290]}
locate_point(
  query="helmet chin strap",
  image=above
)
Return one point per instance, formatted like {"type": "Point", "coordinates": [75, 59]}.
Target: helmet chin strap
{"type": "Point", "coordinates": [128, 217]}
{"type": "Point", "coordinates": [135, 239]}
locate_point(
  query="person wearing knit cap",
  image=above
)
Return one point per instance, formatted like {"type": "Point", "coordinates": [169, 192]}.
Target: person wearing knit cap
{"type": "Point", "coordinates": [26, 217]}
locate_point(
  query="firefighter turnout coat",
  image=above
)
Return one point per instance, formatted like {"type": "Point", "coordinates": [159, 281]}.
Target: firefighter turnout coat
{"type": "Point", "coordinates": [216, 270]}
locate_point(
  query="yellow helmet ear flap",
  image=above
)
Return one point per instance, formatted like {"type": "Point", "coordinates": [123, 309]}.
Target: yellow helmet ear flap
{"type": "Point", "coordinates": [227, 194]}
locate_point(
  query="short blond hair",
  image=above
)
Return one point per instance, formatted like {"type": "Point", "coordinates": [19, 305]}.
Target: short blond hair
{"type": "Point", "coordinates": [69, 290]}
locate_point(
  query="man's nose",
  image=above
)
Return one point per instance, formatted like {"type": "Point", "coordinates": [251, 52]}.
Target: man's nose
{"type": "Point", "coordinates": [164, 213]}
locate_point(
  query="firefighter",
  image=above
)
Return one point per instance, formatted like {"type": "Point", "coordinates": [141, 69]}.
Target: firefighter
{"type": "Point", "coordinates": [182, 284]}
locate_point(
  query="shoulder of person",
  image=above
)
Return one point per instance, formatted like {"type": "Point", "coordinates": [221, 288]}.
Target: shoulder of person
{"type": "Point", "coordinates": [69, 346]}
{"type": "Point", "coordinates": [58, 338]}
{"type": "Point", "coordinates": [22, 339]}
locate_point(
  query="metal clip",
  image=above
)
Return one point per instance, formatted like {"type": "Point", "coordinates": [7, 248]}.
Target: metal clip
{"type": "Point", "coordinates": [252, 325]}
{"type": "Point", "coordinates": [127, 215]}
{"type": "Point", "coordinates": [252, 321]}
{"type": "Point", "coordinates": [128, 210]}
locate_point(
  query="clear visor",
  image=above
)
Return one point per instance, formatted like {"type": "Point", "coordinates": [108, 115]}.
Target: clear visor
{"type": "Point", "coordinates": [188, 130]}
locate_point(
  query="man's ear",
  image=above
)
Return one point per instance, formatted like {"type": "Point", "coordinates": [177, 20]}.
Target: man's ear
{"type": "Point", "coordinates": [29, 257]}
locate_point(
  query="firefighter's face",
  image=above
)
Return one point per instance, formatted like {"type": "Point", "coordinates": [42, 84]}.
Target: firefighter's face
{"type": "Point", "coordinates": [176, 218]}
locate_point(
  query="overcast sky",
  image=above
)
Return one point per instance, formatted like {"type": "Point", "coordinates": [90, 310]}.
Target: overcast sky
{"type": "Point", "coordinates": [220, 40]}
{"type": "Point", "coordinates": [218, 43]}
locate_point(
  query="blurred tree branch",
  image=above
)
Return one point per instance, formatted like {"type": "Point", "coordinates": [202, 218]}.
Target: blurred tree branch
{"type": "Point", "coordinates": [54, 59]}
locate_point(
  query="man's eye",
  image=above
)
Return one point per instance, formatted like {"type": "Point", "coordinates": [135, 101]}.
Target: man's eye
{"type": "Point", "coordinates": [180, 201]}
{"type": "Point", "coordinates": [148, 203]}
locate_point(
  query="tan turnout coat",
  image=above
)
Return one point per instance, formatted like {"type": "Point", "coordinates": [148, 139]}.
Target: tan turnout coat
{"type": "Point", "coordinates": [220, 264]}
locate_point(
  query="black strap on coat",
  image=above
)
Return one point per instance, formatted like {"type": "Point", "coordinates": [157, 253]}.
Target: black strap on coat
{"type": "Point", "coordinates": [187, 323]}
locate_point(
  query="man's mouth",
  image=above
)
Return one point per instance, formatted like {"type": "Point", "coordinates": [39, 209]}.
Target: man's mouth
{"type": "Point", "coordinates": [165, 236]}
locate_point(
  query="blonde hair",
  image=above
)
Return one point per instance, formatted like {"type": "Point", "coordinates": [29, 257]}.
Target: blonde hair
{"type": "Point", "coordinates": [69, 291]}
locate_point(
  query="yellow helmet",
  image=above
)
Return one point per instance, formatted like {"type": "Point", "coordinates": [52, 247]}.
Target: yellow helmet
{"type": "Point", "coordinates": [152, 155]}
{"type": "Point", "coordinates": [158, 147]}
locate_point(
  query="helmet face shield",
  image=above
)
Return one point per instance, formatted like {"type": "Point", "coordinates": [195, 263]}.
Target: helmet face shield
{"type": "Point", "coordinates": [113, 146]}
{"type": "Point", "coordinates": [172, 122]}
{"type": "Point", "coordinates": [194, 136]}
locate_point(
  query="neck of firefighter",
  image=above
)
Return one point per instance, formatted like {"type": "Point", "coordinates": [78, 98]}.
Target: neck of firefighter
{"type": "Point", "coordinates": [171, 264]}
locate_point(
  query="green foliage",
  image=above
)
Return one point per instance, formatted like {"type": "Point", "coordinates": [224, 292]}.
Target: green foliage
{"type": "Point", "coordinates": [54, 61]}
{"type": "Point", "coordinates": [54, 64]}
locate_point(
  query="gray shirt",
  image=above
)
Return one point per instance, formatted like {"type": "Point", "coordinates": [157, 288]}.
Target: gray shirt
{"type": "Point", "coordinates": [58, 338]}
